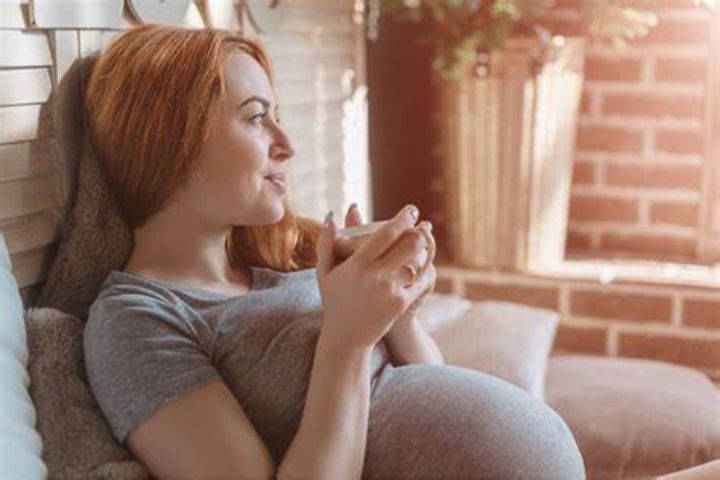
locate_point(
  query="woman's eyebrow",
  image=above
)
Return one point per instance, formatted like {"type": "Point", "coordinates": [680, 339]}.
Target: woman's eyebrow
{"type": "Point", "coordinates": [255, 98]}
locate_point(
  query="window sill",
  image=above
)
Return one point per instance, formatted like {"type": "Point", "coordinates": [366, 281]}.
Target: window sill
{"type": "Point", "coordinates": [606, 271]}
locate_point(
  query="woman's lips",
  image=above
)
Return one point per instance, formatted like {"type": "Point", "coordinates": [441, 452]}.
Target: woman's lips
{"type": "Point", "coordinates": [278, 181]}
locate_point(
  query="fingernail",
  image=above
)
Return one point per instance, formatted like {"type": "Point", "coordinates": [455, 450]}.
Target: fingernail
{"type": "Point", "coordinates": [413, 211]}
{"type": "Point", "coordinates": [328, 218]}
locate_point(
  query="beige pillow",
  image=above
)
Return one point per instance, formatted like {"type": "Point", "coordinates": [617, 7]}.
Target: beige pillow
{"type": "Point", "coordinates": [507, 340]}
{"type": "Point", "coordinates": [441, 308]}
{"type": "Point", "coordinates": [633, 417]}
{"type": "Point", "coordinates": [77, 442]}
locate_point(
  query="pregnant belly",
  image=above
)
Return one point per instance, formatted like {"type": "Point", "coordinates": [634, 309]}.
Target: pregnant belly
{"type": "Point", "coordinates": [453, 422]}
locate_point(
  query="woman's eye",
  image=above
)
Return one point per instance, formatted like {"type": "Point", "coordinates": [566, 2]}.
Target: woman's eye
{"type": "Point", "coordinates": [256, 116]}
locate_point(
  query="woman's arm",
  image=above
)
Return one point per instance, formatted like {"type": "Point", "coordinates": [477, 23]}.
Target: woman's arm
{"type": "Point", "coordinates": [408, 342]}
{"type": "Point", "coordinates": [330, 441]}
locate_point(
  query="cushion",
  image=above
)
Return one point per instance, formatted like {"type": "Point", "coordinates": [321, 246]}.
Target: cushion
{"type": "Point", "coordinates": [507, 340]}
{"type": "Point", "coordinates": [705, 471]}
{"type": "Point", "coordinates": [635, 417]}
{"type": "Point", "coordinates": [77, 438]}
{"type": "Point", "coordinates": [441, 308]}
{"type": "Point", "coordinates": [20, 444]}
{"type": "Point", "coordinates": [94, 239]}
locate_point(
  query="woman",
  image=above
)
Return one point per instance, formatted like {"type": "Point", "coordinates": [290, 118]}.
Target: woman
{"type": "Point", "coordinates": [233, 343]}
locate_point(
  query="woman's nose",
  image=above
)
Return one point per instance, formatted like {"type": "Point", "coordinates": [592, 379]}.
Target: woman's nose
{"type": "Point", "coordinates": [282, 148]}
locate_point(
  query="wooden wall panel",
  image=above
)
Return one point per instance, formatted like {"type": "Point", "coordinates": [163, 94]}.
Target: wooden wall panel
{"type": "Point", "coordinates": [27, 159]}
{"type": "Point", "coordinates": [314, 50]}
{"type": "Point", "coordinates": [30, 232]}
{"type": "Point", "coordinates": [24, 49]}
{"type": "Point", "coordinates": [20, 123]}
{"type": "Point", "coordinates": [28, 268]}
{"type": "Point", "coordinates": [65, 47]}
{"type": "Point", "coordinates": [24, 86]}
{"type": "Point", "coordinates": [29, 195]}
{"type": "Point", "coordinates": [11, 14]}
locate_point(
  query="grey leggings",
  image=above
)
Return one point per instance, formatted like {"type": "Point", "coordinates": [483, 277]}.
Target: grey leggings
{"type": "Point", "coordinates": [444, 421]}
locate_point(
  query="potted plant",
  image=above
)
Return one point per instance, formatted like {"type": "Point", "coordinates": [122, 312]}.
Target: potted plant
{"type": "Point", "coordinates": [510, 92]}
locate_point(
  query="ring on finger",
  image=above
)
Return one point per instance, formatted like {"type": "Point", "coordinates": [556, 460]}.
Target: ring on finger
{"type": "Point", "coordinates": [413, 274]}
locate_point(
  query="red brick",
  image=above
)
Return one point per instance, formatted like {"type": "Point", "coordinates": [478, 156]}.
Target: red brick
{"type": "Point", "coordinates": [701, 313]}
{"type": "Point", "coordinates": [682, 142]}
{"type": "Point", "coordinates": [543, 297]}
{"type": "Point", "coordinates": [683, 70]}
{"type": "Point", "coordinates": [678, 32]}
{"type": "Point", "coordinates": [693, 352]}
{"type": "Point", "coordinates": [591, 340]}
{"type": "Point", "coordinates": [653, 105]}
{"type": "Point", "coordinates": [591, 208]}
{"type": "Point", "coordinates": [609, 139]}
{"type": "Point", "coordinates": [654, 176]}
{"type": "Point", "coordinates": [583, 173]}
{"type": "Point", "coordinates": [585, 101]}
{"type": "Point", "coordinates": [620, 305]}
{"type": "Point", "coordinates": [647, 244]}
{"type": "Point", "coordinates": [443, 285]}
{"type": "Point", "coordinates": [612, 69]}
{"type": "Point", "coordinates": [565, 4]}
{"type": "Point", "coordinates": [674, 213]}
{"type": "Point", "coordinates": [565, 26]}
{"type": "Point", "coordinates": [577, 241]}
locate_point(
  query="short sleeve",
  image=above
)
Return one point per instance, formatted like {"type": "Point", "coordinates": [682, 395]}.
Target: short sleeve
{"type": "Point", "coordinates": [140, 354]}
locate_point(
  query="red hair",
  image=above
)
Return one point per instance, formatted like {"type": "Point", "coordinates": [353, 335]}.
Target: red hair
{"type": "Point", "coordinates": [149, 99]}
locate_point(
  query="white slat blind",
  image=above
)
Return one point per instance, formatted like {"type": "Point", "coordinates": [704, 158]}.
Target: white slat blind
{"type": "Point", "coordinates": [317, 53]}
{"type": "Point", "coordinates": [314, 48]}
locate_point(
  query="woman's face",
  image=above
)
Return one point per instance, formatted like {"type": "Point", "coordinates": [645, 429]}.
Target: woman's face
{"type": "Point", "coordinates": [231, 185]}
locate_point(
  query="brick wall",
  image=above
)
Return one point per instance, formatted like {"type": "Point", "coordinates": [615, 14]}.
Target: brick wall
{"type": "Point", "coordinates": [640, 146]}
{"type": "Point", "coordinates": [636, 187]}
{"type": "Point", "coordinates": [672, 323]}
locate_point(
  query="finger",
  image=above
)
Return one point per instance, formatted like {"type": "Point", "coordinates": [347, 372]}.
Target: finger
{"type": "Point", "coordinates": [385, 236]}
{"type": "Point", "coordinates": [353, 217]}
{"type": "Point", "coordinates": [403, 252]}
{"type": "Point", "coordinates": [432, 244]}
{"type": "Point", "coordinates": [421, 267]}
{"type": "Point", "coordinates": [420, 286]}
{"type": "Point", "coordinates": [325, 246]}
{"type": "Point", "coordinates": [427, 255]}
{"type": "Point", "coordinates": [415, 305]}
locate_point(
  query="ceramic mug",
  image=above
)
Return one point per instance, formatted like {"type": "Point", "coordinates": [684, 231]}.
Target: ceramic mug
{"type": "Point", "coordinates": [349, 239]}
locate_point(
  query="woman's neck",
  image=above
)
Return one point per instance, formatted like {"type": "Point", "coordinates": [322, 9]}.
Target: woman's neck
{"type": "Point", "coordinates": [173, 247]}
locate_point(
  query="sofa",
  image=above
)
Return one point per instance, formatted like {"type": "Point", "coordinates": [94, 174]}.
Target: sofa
{"type": "Point", "coordinates": [632, 418]}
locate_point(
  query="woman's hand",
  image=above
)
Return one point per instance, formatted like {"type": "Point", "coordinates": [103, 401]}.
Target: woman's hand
{"type": "Point", "coordinates": [364, 294]}
{"type": "Point", "coordinates": [353, 218]}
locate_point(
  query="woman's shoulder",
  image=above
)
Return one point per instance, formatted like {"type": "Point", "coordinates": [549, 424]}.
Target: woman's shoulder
{"type": "Point", "coordinates": [125, 299]}
{"type": "Point", "coordinates": [123, 288]}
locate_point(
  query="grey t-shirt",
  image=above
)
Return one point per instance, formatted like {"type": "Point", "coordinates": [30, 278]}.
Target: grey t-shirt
{"type": "Point", "coordinates": [147, 342]}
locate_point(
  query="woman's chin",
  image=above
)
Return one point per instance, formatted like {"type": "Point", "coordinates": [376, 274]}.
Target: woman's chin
{"type": "Point", "coordinates": [275, 214]}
